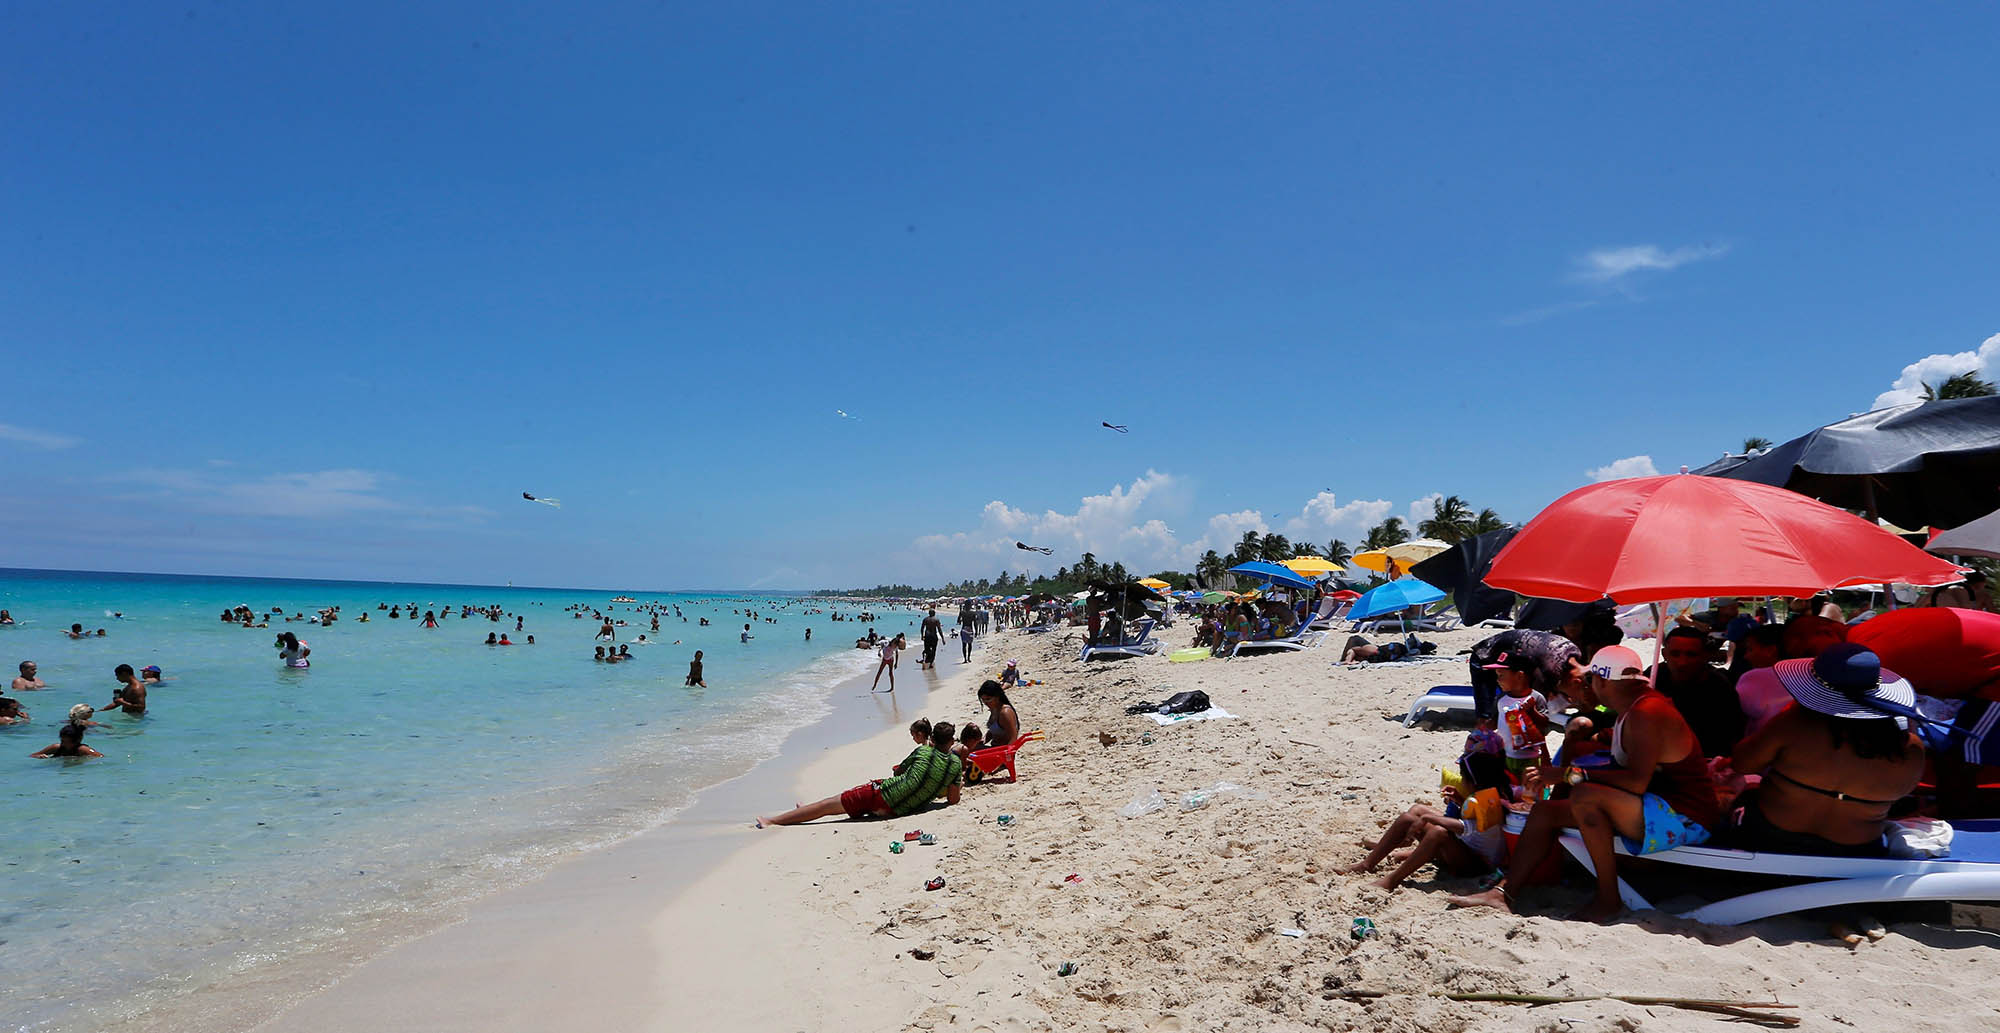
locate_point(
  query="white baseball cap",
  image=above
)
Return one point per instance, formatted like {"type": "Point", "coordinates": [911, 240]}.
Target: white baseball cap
{"type": "Point", "coordinates": [1617, 662]}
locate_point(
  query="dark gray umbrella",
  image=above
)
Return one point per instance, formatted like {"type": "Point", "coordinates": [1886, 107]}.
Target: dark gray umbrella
{"type": "Point", "coordinates": [1461, 570]}
{"type": "Point", "coordinates": [1924, 464]}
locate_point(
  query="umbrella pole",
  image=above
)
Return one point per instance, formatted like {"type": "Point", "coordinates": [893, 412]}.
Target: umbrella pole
{"type": "Point", "coordinates": [1659, 637]}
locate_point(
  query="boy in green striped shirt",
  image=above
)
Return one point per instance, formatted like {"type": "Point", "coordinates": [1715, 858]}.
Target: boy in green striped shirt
{"type": "Point", "coordinates": [930, 769]}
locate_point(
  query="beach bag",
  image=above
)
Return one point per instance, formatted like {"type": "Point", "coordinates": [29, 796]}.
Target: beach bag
{"type": "Point", "coordinates": [1186, 703]}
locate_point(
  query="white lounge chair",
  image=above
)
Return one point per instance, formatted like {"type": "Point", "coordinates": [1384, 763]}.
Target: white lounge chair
{"type": "Point", "coordinates": [1971, 873]}
{"type": "Point", "coordinates": [1304, 638]}
{"type": "Point", "coordinates": [1440, 697]}
{"type": "Point", "coordinates": [1140, 644]}
{"type": "Point", "coordinates": [1443, 618]}
{"type": "Point", "coordinates": [1330, 610]}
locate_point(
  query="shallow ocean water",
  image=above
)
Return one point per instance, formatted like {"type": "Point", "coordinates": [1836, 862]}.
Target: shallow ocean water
{"type": "Point", "coordinates": [255, 812]}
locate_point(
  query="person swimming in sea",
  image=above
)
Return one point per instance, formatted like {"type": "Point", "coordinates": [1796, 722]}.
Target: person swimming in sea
{"type": "Point", "coordinates": [151, 674]}
{"type": "Point", "coordinates": [292, 651]}
{"type": "Point", "coordinates": [130, 695]}
{"type": "Point", "coordinates": [69, 741]}
{"type": "Point", "coordinates": [76, 631]}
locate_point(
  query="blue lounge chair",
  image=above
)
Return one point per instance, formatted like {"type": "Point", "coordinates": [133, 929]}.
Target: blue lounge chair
{"type": "Point", "coordinates": [1970, 873]}
{"type": "Point", "coordinates": [1131, 644]}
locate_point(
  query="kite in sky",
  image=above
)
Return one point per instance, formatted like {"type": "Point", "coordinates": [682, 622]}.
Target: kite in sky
{"type": "Point", "coordinates": [546, 502]}
{"type": "Point", "coordinates": [845, 415]}
{"type": "Point", "coordinates": [1118, 428]}
{"type": "Point", "coordinates": [1034, 548]}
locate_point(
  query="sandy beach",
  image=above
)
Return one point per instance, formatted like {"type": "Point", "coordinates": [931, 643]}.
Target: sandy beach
{"type": "Point", "coordinates": [1173, 919]}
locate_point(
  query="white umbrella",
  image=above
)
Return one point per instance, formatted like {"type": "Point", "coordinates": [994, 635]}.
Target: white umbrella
{"type": "Point", "coordinates": [1978, 538]}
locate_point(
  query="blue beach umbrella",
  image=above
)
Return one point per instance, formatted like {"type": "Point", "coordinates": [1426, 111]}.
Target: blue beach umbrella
{"type": "Point", "coordinates": [1396, 595]}
{"type": "Point", "coordinates": [1274, 573]}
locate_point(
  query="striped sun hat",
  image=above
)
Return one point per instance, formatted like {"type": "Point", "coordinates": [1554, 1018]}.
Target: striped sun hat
{"type": "Point", "coordinates": [1844, 681]}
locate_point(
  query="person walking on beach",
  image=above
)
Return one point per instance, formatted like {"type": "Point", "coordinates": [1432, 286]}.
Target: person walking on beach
{"type": "Point", "coordinates": [890, 654]}
{"type": "Point", "coordinates": [933, 633]}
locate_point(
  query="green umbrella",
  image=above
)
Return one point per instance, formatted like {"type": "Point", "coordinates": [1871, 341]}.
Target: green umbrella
{"type": "Point", "coordinates": [1217, 597]}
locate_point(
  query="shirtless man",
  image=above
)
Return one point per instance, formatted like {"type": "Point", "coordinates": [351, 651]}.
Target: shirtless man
{"type": "Point", "coordinates": [27, 682]}
{"type": "Point", "coordinates": [130, 695]}
{"type": "Point", "coordinates": [1657, 797]}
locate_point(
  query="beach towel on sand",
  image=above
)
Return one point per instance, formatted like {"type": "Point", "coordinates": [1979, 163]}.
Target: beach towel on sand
{"type": "Point", "coordinates": [1211, 714]}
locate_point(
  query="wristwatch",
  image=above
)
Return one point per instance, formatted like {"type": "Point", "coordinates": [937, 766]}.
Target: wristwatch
{"type": "Point", "coordinates": [1578, 776]}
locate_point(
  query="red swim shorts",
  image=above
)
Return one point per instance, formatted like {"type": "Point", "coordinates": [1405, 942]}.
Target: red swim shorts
{"type": "Point", "coordinates": [863, 801]}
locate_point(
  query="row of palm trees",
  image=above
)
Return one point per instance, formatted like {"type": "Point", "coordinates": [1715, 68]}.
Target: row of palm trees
{"type": "Point", "coordinates": [1452, 520]}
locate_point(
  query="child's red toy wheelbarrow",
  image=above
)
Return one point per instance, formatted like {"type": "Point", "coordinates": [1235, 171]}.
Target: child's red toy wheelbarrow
{"type": "Point", "coordinates": [993, 758]}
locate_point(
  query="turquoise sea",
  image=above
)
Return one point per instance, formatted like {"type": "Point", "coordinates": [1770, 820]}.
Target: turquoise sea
{"type": "Point", "coordinates": [256, 812]}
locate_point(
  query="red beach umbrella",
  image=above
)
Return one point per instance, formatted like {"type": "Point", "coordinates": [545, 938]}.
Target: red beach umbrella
{"type": "Point", "coordinates": [1647, 539]}
{"type": "Point", "coordinates": [1944, 652]}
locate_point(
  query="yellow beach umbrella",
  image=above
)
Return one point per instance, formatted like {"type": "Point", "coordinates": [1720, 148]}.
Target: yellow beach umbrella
{"type": "Point", "coordinates": [1404, 554]}
{"type": "Point", "coordinates": [1313, 565]}
{"type": "Point", "coordinates": [1155, 583]}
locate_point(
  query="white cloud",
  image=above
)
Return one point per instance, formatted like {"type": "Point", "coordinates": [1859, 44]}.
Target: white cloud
{"type": "Point", "coordinates": [1909, 387]}
{"type": "Point", "coordinates": [1325, 517]}
{"type": "Point", "coordinates": [1630, 466]}
{"type": "Point", "coordinates": [36, 438]}
{"type": "Point", "coordinates": [1612, 264]}
{"type": "Point", "coordinates": [320, 493]}
{"type": "Point", "coordinates": [1125, 525]}
{"type": "Point", "coordinates": [1423, 509]}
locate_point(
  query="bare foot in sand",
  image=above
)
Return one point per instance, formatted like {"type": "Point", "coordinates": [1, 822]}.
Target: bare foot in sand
{"type": "Point", "coordinates": [1356, 868]}
{"type": "Point", "coordinates": [1599, 911]}
{"type": "Point", "coordinates": [1384, 883]}
{"type": "Point", "coordinates": [1495, 898]}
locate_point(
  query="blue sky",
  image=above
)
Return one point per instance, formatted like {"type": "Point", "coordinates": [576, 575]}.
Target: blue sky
{"type": "Point", "coordinates": [320, 293]}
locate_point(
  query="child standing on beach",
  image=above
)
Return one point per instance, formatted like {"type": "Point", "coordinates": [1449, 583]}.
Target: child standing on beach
{"type": "Point", "coordinates": [1523, 715]}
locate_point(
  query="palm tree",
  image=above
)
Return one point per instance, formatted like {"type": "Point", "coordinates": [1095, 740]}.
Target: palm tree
{"type": "Point", "coordinates": [1963, 385]}
{"type": "Point", "coordinates": [1211, 569]}
{"type": "Point", "coordinates": [1451, 520]}
{"type": "Point", "coordinates": [1251, 547]}
{"type": "Point", "coordinates": [1275, 547]}
{"type": "Point", "coordinates": [1305, 549]}
{"type": "Point", "coordinates": [1755, 445]}
{"type": "Point", "coordinates": [1487, 520]}
{"type": "Point", "coordinates": [1338, 552]}
{"type": "Point", "coordinates": [1388, 532]}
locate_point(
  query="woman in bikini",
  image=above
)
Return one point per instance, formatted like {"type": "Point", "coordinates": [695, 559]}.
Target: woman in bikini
{"type": "Point", "coordinates": [1833, 761]}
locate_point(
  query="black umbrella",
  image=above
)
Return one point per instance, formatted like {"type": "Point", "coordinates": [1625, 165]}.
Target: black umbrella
{"type": "Point", "coordinates": [1461, 570]}
{"type": "Point", "coordinates": [1128, 598]}
{"type": "Point", "coordinates": [1924, 464]}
